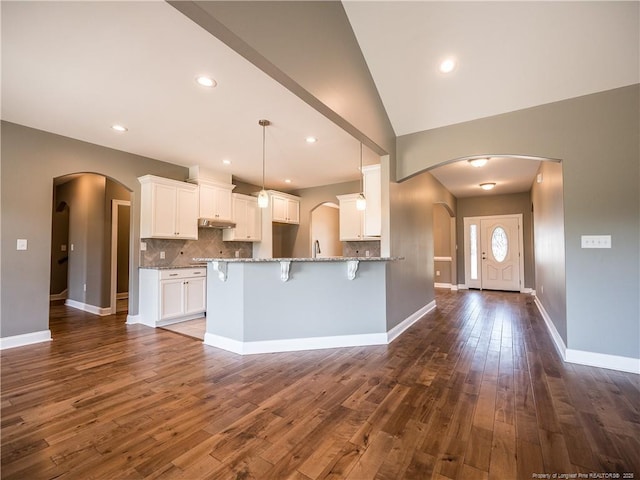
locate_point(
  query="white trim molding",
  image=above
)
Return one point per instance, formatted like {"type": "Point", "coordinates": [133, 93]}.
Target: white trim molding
{"type": "Point", "coordinates": [25, 339]}
{"type": "Point", "coordinates": [399, 329]}
{"type": "Point", "coordinates": [604, 360]}
{"type": "Point", "coordinates": [581, 357]}
{"type": "Point", "coordinates": [316, 343]}
{"type": "Point", "coordinates": [59, 296]}
{"type": "Point", "coordinates": [442, 259]}
{"type": "Point", "coordinates": [102, 311]}
{"type": "Point", "coordinates": [555, 336]}
{"type": "Point", "coordinates": [134, 319]}
{"type": "Point", "coordinates": [293, 344]}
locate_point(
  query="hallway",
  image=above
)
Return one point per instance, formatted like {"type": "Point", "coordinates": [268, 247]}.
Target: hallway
{"type": "Point", "coordinates": [474, 390]}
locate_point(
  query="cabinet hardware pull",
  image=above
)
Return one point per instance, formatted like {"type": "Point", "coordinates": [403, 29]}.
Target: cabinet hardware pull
{"type": "Point", "coordinates": [173, 274]}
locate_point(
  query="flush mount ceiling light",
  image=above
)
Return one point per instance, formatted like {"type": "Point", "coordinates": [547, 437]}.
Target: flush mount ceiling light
{"type": "Point", "coordinates": [119, 128]}
{"type": "Point", "coordinates": [311, 139]}
{"type": "Point", "coordinates": [487, 186]}
{"type": "Point", "coordinates": [263, 197]}
{"type": "Point", "coordinates": [287, 180]}
{"type": "Point", "coordinates": [226, 162]}
{"type": "Point", "coordinates": [447, 65]}
{"type": "Point", "coordinates": [478, 162]}
{"type": "Point", "coordinates": [361, 201]}
{"type": "Point", "coordinates": [205, 81]}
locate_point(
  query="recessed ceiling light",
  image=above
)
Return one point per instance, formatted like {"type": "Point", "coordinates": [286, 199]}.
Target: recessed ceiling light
{"type": "Point", "coordinates": [119, 128]}
{"type": "Point", "coordinates": [226, 162]}
{"type": "Point", "coordinates": [487, 186]}
{"type": "Point", "coordinates": [311, 139]}
{"type": "Point", "coordinates": [479, 162]}
{"type": "Point", "coordinates": [205, 81]}
{"type": "Point", "coordinates": [448, 65]}
{"type": "Point", "coordinates": [287, 180]}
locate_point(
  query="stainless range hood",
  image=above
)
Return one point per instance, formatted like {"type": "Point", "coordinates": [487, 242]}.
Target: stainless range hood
{"type": "Point", "coordinates": [214, 223]}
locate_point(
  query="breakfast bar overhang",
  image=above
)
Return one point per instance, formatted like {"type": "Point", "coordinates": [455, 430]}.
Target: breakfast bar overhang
{"type": "Point", "coordinates": [288, 304]}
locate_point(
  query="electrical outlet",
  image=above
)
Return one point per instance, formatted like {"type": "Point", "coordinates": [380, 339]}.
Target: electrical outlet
{"type": "Point", "coordinates": [143, 246]}
{"type": "Point", "coordinates": [21, 244]}
{"type": "Point", "coordinates": [162, 255]}
{"type": "Point", "coordinates": [84, 286]}
{"type": "Point", "coordinates": [237, 253]}
{"type": "Point", "coordinates": [437, 273]}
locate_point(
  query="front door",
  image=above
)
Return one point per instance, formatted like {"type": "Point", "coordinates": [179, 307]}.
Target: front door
{"type": "Point", "coordinates": [493, 257]}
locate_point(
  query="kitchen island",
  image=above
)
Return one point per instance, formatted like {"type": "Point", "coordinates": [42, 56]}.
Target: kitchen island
{"type": "Point", "coordinates": [287, 304]}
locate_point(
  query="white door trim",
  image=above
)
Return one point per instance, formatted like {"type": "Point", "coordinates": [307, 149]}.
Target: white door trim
{"type": "Point", "coordinates": [114, 250]}
{"type": "Point", "coordinates": [467, 266]}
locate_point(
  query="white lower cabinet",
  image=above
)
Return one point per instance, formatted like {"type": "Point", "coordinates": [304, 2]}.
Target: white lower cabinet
{"type": "Point", "coordinates": [172, 295]}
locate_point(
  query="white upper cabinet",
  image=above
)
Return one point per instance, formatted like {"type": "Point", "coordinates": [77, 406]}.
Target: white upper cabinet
{"type": "Point", "coordinates": [362, 224]}
{"type": "Point", "coordinates": [351, 219]}
{"type": "Point", "coordinates": [215, 200]}
{"type": "Point", "coordinates": [168, 208]}
{"type": "Point", "coordinates": [247, 217]}
{"type": "Point", "coordinates": [285, 208]}
{"type": "Point", "coordinates": [372, 192]}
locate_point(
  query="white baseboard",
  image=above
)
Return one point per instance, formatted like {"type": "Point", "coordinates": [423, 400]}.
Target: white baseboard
{"type": "Point", "coordinates": [396, 331]}
{"type": "Point", "coordinates": [102, 311]}
{"type": "Point", "coordinates": [316, 343]}
{"type": "Point", "coordinates": [133, 319]}
{"type": "Point", "coordinates": [293, 344]}
{"type": "Point", "coordinates": [528, 290]}
{"type": "Point", "coordinates": [442, 285]}
{"type": "Point", "coordinates": [603, 360]}
{"type": "Point", "coordinates": [59, 296]}
{"type": "Point", "coordinates": [462, 286]}
{"type": "Point", "coordinates": [581, 357]}
{"type": "Point", "coordinates": [25, 339]}
{"type": "Point", "coordinates": [555, 336]}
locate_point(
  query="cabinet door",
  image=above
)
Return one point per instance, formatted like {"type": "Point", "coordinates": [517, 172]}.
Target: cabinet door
{"type": "Point", "coordinates": [278, 209]}
{"type": "Point", "coordinates": [254, 221]}
{"type": "Point", "coordinates": [222, 205]}
{"type": "Point", "coordinates": [171, 299]}
{"type": "Point", "coordinates": [350, 220]}
{"type": "Point", "coordinates": [187, 213]}
{"type": "Point", "coordinates": [293, 211]}
{"type": "Point", "coordinates": [163, 211]}
{"type": "Point", "coordinates": [207, 201]}
{"type": "Point", "coordinates": [240, 217]}
{"type": "Point", "coordinates": [195, 292]}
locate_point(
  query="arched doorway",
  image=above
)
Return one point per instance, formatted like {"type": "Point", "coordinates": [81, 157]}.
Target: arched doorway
{"type": "Point", "coordinates": [444, 246]}
{"type": "Point", "coordinates": [325, 231]}
{"type": "Point", "coordinates": [91, 240]}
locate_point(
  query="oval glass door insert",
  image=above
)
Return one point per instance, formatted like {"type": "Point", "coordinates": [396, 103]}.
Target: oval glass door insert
{"type": "Point", "coordinates": [499, 244]}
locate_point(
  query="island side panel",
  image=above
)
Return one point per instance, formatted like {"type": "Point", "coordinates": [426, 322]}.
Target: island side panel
{"type": "Point", "coordinates": [318, 300]}
{"type": "Point", "coordinates": [225, 302]}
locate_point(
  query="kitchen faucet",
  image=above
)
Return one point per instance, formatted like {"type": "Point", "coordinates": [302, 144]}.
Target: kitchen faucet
{"type": "Point", "coordinates": [316, 248]}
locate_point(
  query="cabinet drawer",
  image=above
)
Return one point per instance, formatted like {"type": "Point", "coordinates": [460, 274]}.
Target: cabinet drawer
{"type": "Point", "coordinates": [183, 273]}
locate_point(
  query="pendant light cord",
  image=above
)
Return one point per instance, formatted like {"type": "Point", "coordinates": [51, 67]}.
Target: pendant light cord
{"type": "Point", "coordinates": [361, 174]}
{"type": "Point", "coordinates": [264, 126]}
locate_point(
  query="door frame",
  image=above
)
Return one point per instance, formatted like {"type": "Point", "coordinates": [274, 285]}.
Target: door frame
{"type": "Point", "coordinates": [467, 221]}
{"type": "Point", "coordinates": [114, 251]}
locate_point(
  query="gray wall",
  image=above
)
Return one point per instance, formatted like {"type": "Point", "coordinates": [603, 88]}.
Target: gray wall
{"type": "Point", "coordinates": [548, 219]}
{"type": "Point", "coordinates": [31, 159]}
{"type": "Point", "coordinates": [410, 281]}
{"type": "Point", "coordinates": [597, 137]}
{"type": "Point", "coordinates": [498, 205]}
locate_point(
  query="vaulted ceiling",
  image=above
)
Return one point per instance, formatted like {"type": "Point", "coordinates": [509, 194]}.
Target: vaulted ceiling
{"type": "Point", "coordinates": [76, 68]}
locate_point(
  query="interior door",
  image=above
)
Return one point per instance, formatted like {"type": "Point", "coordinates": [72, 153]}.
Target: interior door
{"type": "Point", "coordinates": [500, 250]}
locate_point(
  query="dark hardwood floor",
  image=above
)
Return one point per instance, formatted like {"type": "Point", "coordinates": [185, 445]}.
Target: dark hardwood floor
{"type": "Point", "coordinates": [474, 390]}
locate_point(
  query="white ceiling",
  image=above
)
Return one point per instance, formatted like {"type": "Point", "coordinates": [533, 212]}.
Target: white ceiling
{"type": "Point", "coordinates": [75, 68]}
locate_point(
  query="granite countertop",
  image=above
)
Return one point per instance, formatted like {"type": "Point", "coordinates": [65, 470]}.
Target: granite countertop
{"type": "Point", "coordinates": [303, 259]}
{"type": "Point", "coordinates": [171, 267]}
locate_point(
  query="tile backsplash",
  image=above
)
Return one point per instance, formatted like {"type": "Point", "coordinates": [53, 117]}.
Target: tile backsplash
{"type": "Point", "coordinates": [359, 249]}
{"type": "Point", "coordinates": [182, 252]}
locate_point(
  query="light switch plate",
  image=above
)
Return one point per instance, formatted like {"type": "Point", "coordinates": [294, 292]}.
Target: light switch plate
{"type": "Point", "coordinates": [21, 244]}
{"type": "Point", "coordinates": [595, 241]}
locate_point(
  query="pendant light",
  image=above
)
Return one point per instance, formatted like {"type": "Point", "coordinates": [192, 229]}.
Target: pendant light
{"type": "Point", "coordinates": [263, 196]}
{"type": "Point", "coordinates": [361, 201]}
